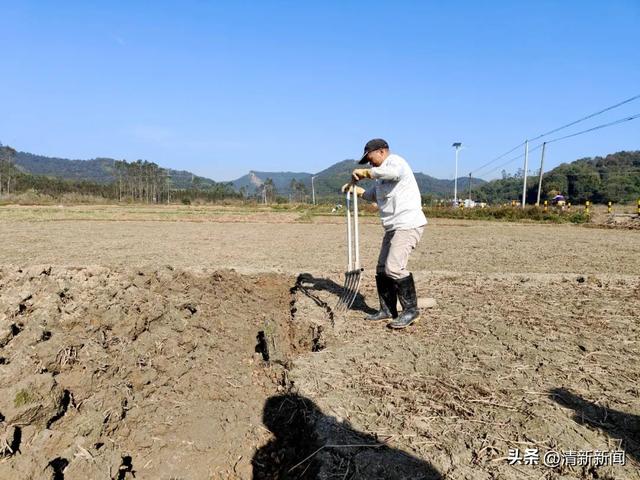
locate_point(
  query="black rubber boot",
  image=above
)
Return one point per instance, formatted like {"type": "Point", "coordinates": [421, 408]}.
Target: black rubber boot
{"type": "Point", "coordinates": [388, 299]}
{"type": "Point", "coordinates": [409, 301]}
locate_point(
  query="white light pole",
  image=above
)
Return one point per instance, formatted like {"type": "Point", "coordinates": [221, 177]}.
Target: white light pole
{"type": "Point", "coordinates": [544, 144]}
{"type": "Point", "coordinates": [524, 179]}
{"type": "Point", "coordinates": [313, 190]}
{"type": "Point", "coordinates": [457, 146]}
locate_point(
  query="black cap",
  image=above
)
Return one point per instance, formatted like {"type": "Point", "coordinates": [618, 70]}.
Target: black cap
{"type": "Point", "coordinates": [372, 145]}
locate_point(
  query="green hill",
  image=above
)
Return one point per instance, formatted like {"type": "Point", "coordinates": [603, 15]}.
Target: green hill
{"type": "Point", "coordinates": [615, 178]}
{"type": "Point", "coordinates": [98, 170]}
{"type": "Point", "coordinates": [327, 182]}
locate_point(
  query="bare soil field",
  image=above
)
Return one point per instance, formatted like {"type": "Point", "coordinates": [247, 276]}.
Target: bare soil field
{"type": "Point", "coordinates": [201, 343]}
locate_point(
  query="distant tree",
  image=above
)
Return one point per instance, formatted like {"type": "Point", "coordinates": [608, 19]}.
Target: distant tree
{"type": "Point", "coordinates": [427, 199]}
{"type": "Point", "coordinates": [140, 181]}
{"type": "Point", "coordinates": [298, 190]}
{"type": "Point", "coordinates": [292, 187]}
{"type": "Point", "coordinates": [8, 170]}
{"type": "Point", "coordinates": [269, 191]}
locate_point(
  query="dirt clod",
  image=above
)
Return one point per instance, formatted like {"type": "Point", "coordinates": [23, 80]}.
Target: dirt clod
{"type": "Point", "coordinates": [144, 364]}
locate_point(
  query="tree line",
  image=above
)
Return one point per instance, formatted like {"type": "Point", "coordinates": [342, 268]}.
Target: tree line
{"type": "Point", "coordinates": [614, 178]}
{"type": "Point", "coordinates": [140, 181]}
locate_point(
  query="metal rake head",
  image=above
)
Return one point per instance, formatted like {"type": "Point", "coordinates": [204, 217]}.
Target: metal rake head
{"type": "Point", "coordinates": [350, 290]}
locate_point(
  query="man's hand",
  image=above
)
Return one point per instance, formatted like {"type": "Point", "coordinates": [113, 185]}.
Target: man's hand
{"type": "Point", "coordinates": [354, 188]}
{"type": "Point", "coordinates": [360, 173]}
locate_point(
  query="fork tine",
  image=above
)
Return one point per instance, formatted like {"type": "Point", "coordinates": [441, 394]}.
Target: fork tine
{"type": "Point", "coordinates": [347, 285]}
{"type": "Point", "coordinates": [343, 301]}
{"type": "Point", "coordinates": [341, 307]}
{"type": "Point", "coordinates": [353, 282]}
{"type": "Point", "coordinates": [339, 304]}
{"type": "Point", "coordinates": [350, 290]}
{"type": "Point", "coordinates": [354, 290]}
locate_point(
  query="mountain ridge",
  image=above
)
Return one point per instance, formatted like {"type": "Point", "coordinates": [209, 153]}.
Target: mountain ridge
{"type": "Point", "coordinates": [326, 182]}
{"type": "Point", "coordinates": [614, 177]}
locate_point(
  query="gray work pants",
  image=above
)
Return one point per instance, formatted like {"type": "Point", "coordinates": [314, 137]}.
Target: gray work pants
{"type": "Point", "coordinates": [397, 245]}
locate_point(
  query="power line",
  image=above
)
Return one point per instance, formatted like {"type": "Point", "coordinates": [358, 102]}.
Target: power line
{"type": "Point", "coordinates": [498, 158]}
{"type": "Point", "coordinates": [587, 117]}
{"type": "Point", "coordinates": [611, 107]}
{"type": "Point", "coordinates": [615, 122]}
{"type": "Point", "coordinates": [598, 127]}
{"type": "Point", "coordinates": [511, 160]}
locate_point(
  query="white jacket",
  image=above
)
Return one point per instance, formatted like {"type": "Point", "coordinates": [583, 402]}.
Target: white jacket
{"type": "Point", "coordinates": [397, 195]}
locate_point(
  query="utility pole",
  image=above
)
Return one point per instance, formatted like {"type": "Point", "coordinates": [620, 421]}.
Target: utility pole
{"type": "Point", "coordinates": [313, 190]}
{"type": "Point", "coordinates": [544, 144]}
{"type": "Point", "coordinates": [469, 188]}
{"type": "Point", "coordinates": [457, 146]}
{"type": "Point", "coordinates": [526, 165]}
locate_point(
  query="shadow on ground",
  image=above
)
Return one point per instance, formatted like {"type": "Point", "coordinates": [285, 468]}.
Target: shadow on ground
{"type": "Point", "coordinates": [618, 425]}
{"type": "Point", "coordinates": [308, 283]}
{"type": "Point", "coordinates": [308, 444]}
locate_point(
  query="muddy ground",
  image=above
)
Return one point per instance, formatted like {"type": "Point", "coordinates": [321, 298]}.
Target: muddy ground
{"type": "Point", "coordinates": [130, 349]}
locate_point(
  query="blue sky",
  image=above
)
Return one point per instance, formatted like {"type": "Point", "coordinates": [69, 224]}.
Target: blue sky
{"type": "Point", "coordinates": [220, 88]}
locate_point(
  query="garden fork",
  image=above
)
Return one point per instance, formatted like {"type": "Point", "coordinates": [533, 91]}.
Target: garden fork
{"type": "Point", "coordinates": [354, 271]}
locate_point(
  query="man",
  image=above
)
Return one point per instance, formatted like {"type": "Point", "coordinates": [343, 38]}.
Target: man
{"type": "Point", "coordinates": [396, 192]}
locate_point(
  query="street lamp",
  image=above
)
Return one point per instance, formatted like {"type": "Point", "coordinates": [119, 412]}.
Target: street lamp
{"type": "Point", "coordinates": [457, 146]}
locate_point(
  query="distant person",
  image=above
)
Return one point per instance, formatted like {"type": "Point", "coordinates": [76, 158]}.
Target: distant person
{"type": "Point", "coordinates": [396, 192]}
